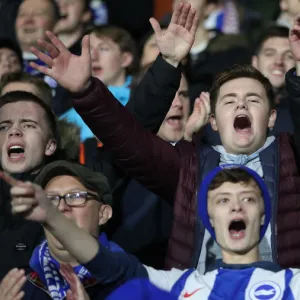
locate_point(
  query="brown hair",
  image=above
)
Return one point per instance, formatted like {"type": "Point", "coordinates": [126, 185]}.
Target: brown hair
{"type": "Point", "coordinates": [122, 38]}
{"type": "Point", "coordinates": [44, 89]}
{"type": "Point", "coordinates": [235, 72]}
{"type": "Point", "coordinates": [234, 175]}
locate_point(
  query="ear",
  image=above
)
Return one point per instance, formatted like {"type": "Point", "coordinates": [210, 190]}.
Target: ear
{"type": "Point", "coordinates": [127, 59]}
{"type": "Point", "coordinates": [213, 122]}
{"type": "Point", "coordinates": [283, 5]}
{"type": "Point", "coordinates": [272, 118]}
{"type": "Point", "coordinates": [51, 147]}
{"type": "Point", "coordinates": [262, 222]}
{"type": "Point", "coordinates": [254, 61]}
{"type": "Point", "coordinates": [105, 213]}
{"type": "Point", "coordinates": [86, 17]}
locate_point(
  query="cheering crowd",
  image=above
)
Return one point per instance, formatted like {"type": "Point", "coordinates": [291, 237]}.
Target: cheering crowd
{"type": "Point", "coordinates": [156, 167]}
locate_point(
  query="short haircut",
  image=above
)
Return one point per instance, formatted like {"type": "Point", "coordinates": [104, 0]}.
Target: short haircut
{"type": "Point", "coordinates": [17, 96]}
{"type": "Point", "coordinates": [272, 31]}
{"type": "Point", "coordinates": [45, 92]}
{"type": "Point", "coordinates": [232, 175]}
{"type": "Point", "coordinates": [121, 37]}
{"type": "Point", "coordinates": [240, 71]}
{"type": "Point", "coordinates": [13, 46]}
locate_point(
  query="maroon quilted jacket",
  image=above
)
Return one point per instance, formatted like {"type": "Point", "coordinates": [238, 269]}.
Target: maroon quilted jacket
{"type": "Point", "coordinates": [171, 173]}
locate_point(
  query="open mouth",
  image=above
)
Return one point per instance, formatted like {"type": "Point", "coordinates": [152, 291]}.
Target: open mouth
{"type": "Point", "coordinates": [16, 152]}
{"type": "Point", "coordinates": [63, 16]}
{"type": "Point", "coordinates": [237, 229]}
{"type": "Point", "coordinates": [242, 123]}
{"type": "Point", "coordinates": [174, 120]}
{"type": "Point", "coordinates": [278, 73]}
{"type": "Point", "coordinates": [29, 30]}
{"type": "Point", "coordinates": [96, 69]}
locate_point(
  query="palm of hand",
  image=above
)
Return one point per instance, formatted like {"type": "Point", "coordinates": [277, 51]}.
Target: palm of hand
{"type": "Point", "coordinates": [71, 70]}
{"type": "Point", "coordinates": [175, 42]}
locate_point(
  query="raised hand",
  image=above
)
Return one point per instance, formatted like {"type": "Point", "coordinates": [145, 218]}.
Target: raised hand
{"type": "Point", "coordinates": [70, 71]}
{"type": "Point", "coordinates": [11, 285]}
{"type": "Point", "coordinates": [176, 42]}
{"type": "Point", "coordinates": [76, 291]}
{"type": "Point", "coordinates": [28, 200]}
{"type": "Point", "coordinates": [199, 117]}
{"type": "Point", "coordinates": [294, 38]}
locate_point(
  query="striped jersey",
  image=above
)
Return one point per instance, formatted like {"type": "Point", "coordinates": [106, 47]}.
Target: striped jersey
{"type": "Point", "coordinates": [267, 282]}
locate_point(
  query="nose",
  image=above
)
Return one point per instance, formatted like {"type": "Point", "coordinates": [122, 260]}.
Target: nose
{"type": "Point", "coordinates": [15, 131]}
{"type": "Point", "coordinates": [242, 104]}
{"type": "Point", "coordinates": [94, 54]}
{"type": "Point", "coordinates": [279, 59]}
{"type": "Point", "coordinates": [177, 102]}
{"type": "Point", "coordinates": [236, 206]}
{"type": "Point", "coordinates": [28, 19]}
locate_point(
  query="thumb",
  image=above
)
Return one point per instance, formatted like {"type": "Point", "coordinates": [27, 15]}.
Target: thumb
{"type": "Point", "coordinates": [155, 26]}
{"type": "Point", "coordinates": [85, 48]}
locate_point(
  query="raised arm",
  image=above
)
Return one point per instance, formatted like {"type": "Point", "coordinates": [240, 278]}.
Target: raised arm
{"type": "Point", "coordinates": [293, 81]}
{"type": "Point", "coordinates": [30, 201]}
{"type": "Point", "coordinates": [152, 98]}
{"type": "Point", "coordinates": [144, 156]}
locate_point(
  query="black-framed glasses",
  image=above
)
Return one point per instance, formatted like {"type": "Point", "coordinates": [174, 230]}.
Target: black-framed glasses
{"type": "Point", "coordinates": [72, 199]}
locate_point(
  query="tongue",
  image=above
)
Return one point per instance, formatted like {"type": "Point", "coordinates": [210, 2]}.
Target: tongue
{"type": "Point", "coordinates": [16, 156]}
{"type": "Point", "coordinates": [174, 122]}
{"type": "Point", "coordinates": [237, 235]}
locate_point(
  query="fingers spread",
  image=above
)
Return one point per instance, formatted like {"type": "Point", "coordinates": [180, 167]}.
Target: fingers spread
{"type": "Point", "coordinates": [184, 14]}
{"type": "Point", "coordinates": [41, 69]}
{"type": "Point", "coordinates": [56, 42]}
{"type": "Point", "coordinates": [155, 26]}
{"type": "Point", "coordinates": [176, 13]}
{"type": "Point", "coordinates": [190, 19]}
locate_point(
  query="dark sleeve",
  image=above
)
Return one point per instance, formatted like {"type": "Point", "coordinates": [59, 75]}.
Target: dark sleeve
{"type": "Point", "coordinates": [293, 88]}
{"type": "Point", "coordinates": [109, 267]}
{"type": "Point", "coordinates": [152, 98]}
{"type": "Point", "coordinates": [145, 157]}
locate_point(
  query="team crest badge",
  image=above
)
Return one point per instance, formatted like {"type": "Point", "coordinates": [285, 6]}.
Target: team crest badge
{"type": "Point", "coordinates": [265, 290]}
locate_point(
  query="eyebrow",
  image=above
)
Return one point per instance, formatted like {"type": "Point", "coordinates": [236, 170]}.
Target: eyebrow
{"type": "Point", "coordinates": [247, 95]}
{"type": "Point", "coordinates": [241, 193]}
{"type": "Point", "coordinates": [21, 121]}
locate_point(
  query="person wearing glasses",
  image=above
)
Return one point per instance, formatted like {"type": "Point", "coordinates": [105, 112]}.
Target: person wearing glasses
{"type": "Point", "coordinates": [84, 197]}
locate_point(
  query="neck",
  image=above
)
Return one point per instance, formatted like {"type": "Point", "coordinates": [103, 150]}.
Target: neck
{"type": "Point", "coordinates": [70, 38]}
{"type": "Point", "coordinates": [234, 258]}
{"type": "Point", "coordinates": [201, 35]}
{"type": "Point", "coordinates": [119, 80]}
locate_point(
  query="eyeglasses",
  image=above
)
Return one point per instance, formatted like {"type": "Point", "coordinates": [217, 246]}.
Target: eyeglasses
{"type": "Point", "coordinates": [72, 199]}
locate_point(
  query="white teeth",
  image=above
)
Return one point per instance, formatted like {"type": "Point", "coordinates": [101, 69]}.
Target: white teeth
{"type": "Point", "coordinates": [277, 72]}
{"type": "Point", "coordinates": [15, 147]}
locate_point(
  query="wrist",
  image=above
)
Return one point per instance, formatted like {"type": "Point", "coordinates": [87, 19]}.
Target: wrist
{"type": "Point", "coordinates": [171, 61]}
